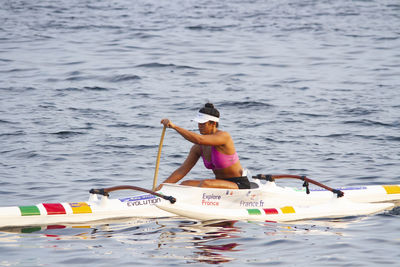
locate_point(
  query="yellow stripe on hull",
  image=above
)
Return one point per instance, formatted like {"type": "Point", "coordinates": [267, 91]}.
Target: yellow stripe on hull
{"type": "Point", "coordinates": [80, 207]}
{"type": "Point", "coordinates": [392, 189]}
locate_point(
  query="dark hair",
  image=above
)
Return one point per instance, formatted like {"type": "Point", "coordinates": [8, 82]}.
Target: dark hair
{"type": "Point", "coordinates": [210, 110]}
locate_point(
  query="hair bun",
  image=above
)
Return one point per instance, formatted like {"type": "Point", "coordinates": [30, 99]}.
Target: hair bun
{"type": "Point", "coordinates": [210, 110]}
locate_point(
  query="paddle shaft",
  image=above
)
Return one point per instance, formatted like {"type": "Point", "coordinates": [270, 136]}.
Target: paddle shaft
{"type": "Point", "coordinates": [158, 159]}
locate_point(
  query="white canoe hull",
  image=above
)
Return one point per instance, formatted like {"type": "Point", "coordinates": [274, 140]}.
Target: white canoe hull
{"type": "Point", "coordinates": [96, 209]}
{"type": "Point", "coordinates": [273, 203]}
{"type": "Point", "coordinates": [336, 208]}
{"type": "Point", "coordinates": [268, 202]}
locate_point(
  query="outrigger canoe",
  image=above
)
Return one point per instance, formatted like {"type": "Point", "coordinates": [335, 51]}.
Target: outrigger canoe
{"type": "Point", "coordinates": [265, 201]}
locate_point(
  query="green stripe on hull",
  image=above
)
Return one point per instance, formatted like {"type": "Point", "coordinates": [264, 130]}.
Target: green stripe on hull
{"type": "Point", "coordinates": [29, 210]}
{"type": "Point", "coordinates": [30, 230]}
{"type": "Point", "coordinates": [254, 212]}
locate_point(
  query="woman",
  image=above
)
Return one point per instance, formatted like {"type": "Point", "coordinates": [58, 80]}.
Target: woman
{"type": "Point", "coordinates": [217, 149]}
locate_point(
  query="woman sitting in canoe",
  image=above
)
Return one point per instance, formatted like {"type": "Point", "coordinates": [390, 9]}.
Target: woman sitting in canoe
{"type": "Point", "coordinates": [217, 150]}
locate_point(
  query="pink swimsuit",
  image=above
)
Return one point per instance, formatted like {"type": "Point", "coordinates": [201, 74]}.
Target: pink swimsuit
{"type": "Point", "coordinates": [219, 160]}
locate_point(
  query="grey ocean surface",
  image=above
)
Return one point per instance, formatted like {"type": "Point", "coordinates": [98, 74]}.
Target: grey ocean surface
{"type": "Point", "coordinates": [303, 86]}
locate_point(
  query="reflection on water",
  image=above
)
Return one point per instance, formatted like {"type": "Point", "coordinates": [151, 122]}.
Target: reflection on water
{"type": "Point", "coordinates": [209, 242]}
{"type": "Point", "coordinates": [395, 211]}
{"type": "Point", "coordinates": [200, 237]}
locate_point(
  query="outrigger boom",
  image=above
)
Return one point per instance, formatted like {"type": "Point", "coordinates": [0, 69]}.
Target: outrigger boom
{"type": "Point", "coordinates": [271, 178]}
{"type": "Point", "coordinates": [105, 191]}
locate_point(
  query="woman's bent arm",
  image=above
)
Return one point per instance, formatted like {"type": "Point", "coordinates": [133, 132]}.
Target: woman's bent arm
{"type": "Point", "coordinates": [186, 166]}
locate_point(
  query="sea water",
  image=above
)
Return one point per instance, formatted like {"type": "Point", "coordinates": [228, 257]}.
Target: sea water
{"type": "Point", "coordinates": [303, 87]}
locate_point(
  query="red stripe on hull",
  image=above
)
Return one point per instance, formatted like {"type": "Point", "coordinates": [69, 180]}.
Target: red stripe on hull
{"type": "Point", "coordinates": [54, 208]}
{"type": "Point", "coordinates": [271, 211]}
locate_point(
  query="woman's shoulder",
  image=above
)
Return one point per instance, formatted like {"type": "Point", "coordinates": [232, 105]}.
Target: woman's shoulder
{"type": "Point", "coordinates": [223, 133]}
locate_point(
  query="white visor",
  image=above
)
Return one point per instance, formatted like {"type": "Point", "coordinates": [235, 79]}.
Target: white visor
{"type": "Point", "coordinates": [203, 118]}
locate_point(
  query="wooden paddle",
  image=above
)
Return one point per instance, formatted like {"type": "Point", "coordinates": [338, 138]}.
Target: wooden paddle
{"type": "Point", "coordinates": [158, 159]}
{"type": "Point", "coordinates": [105, 191]}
